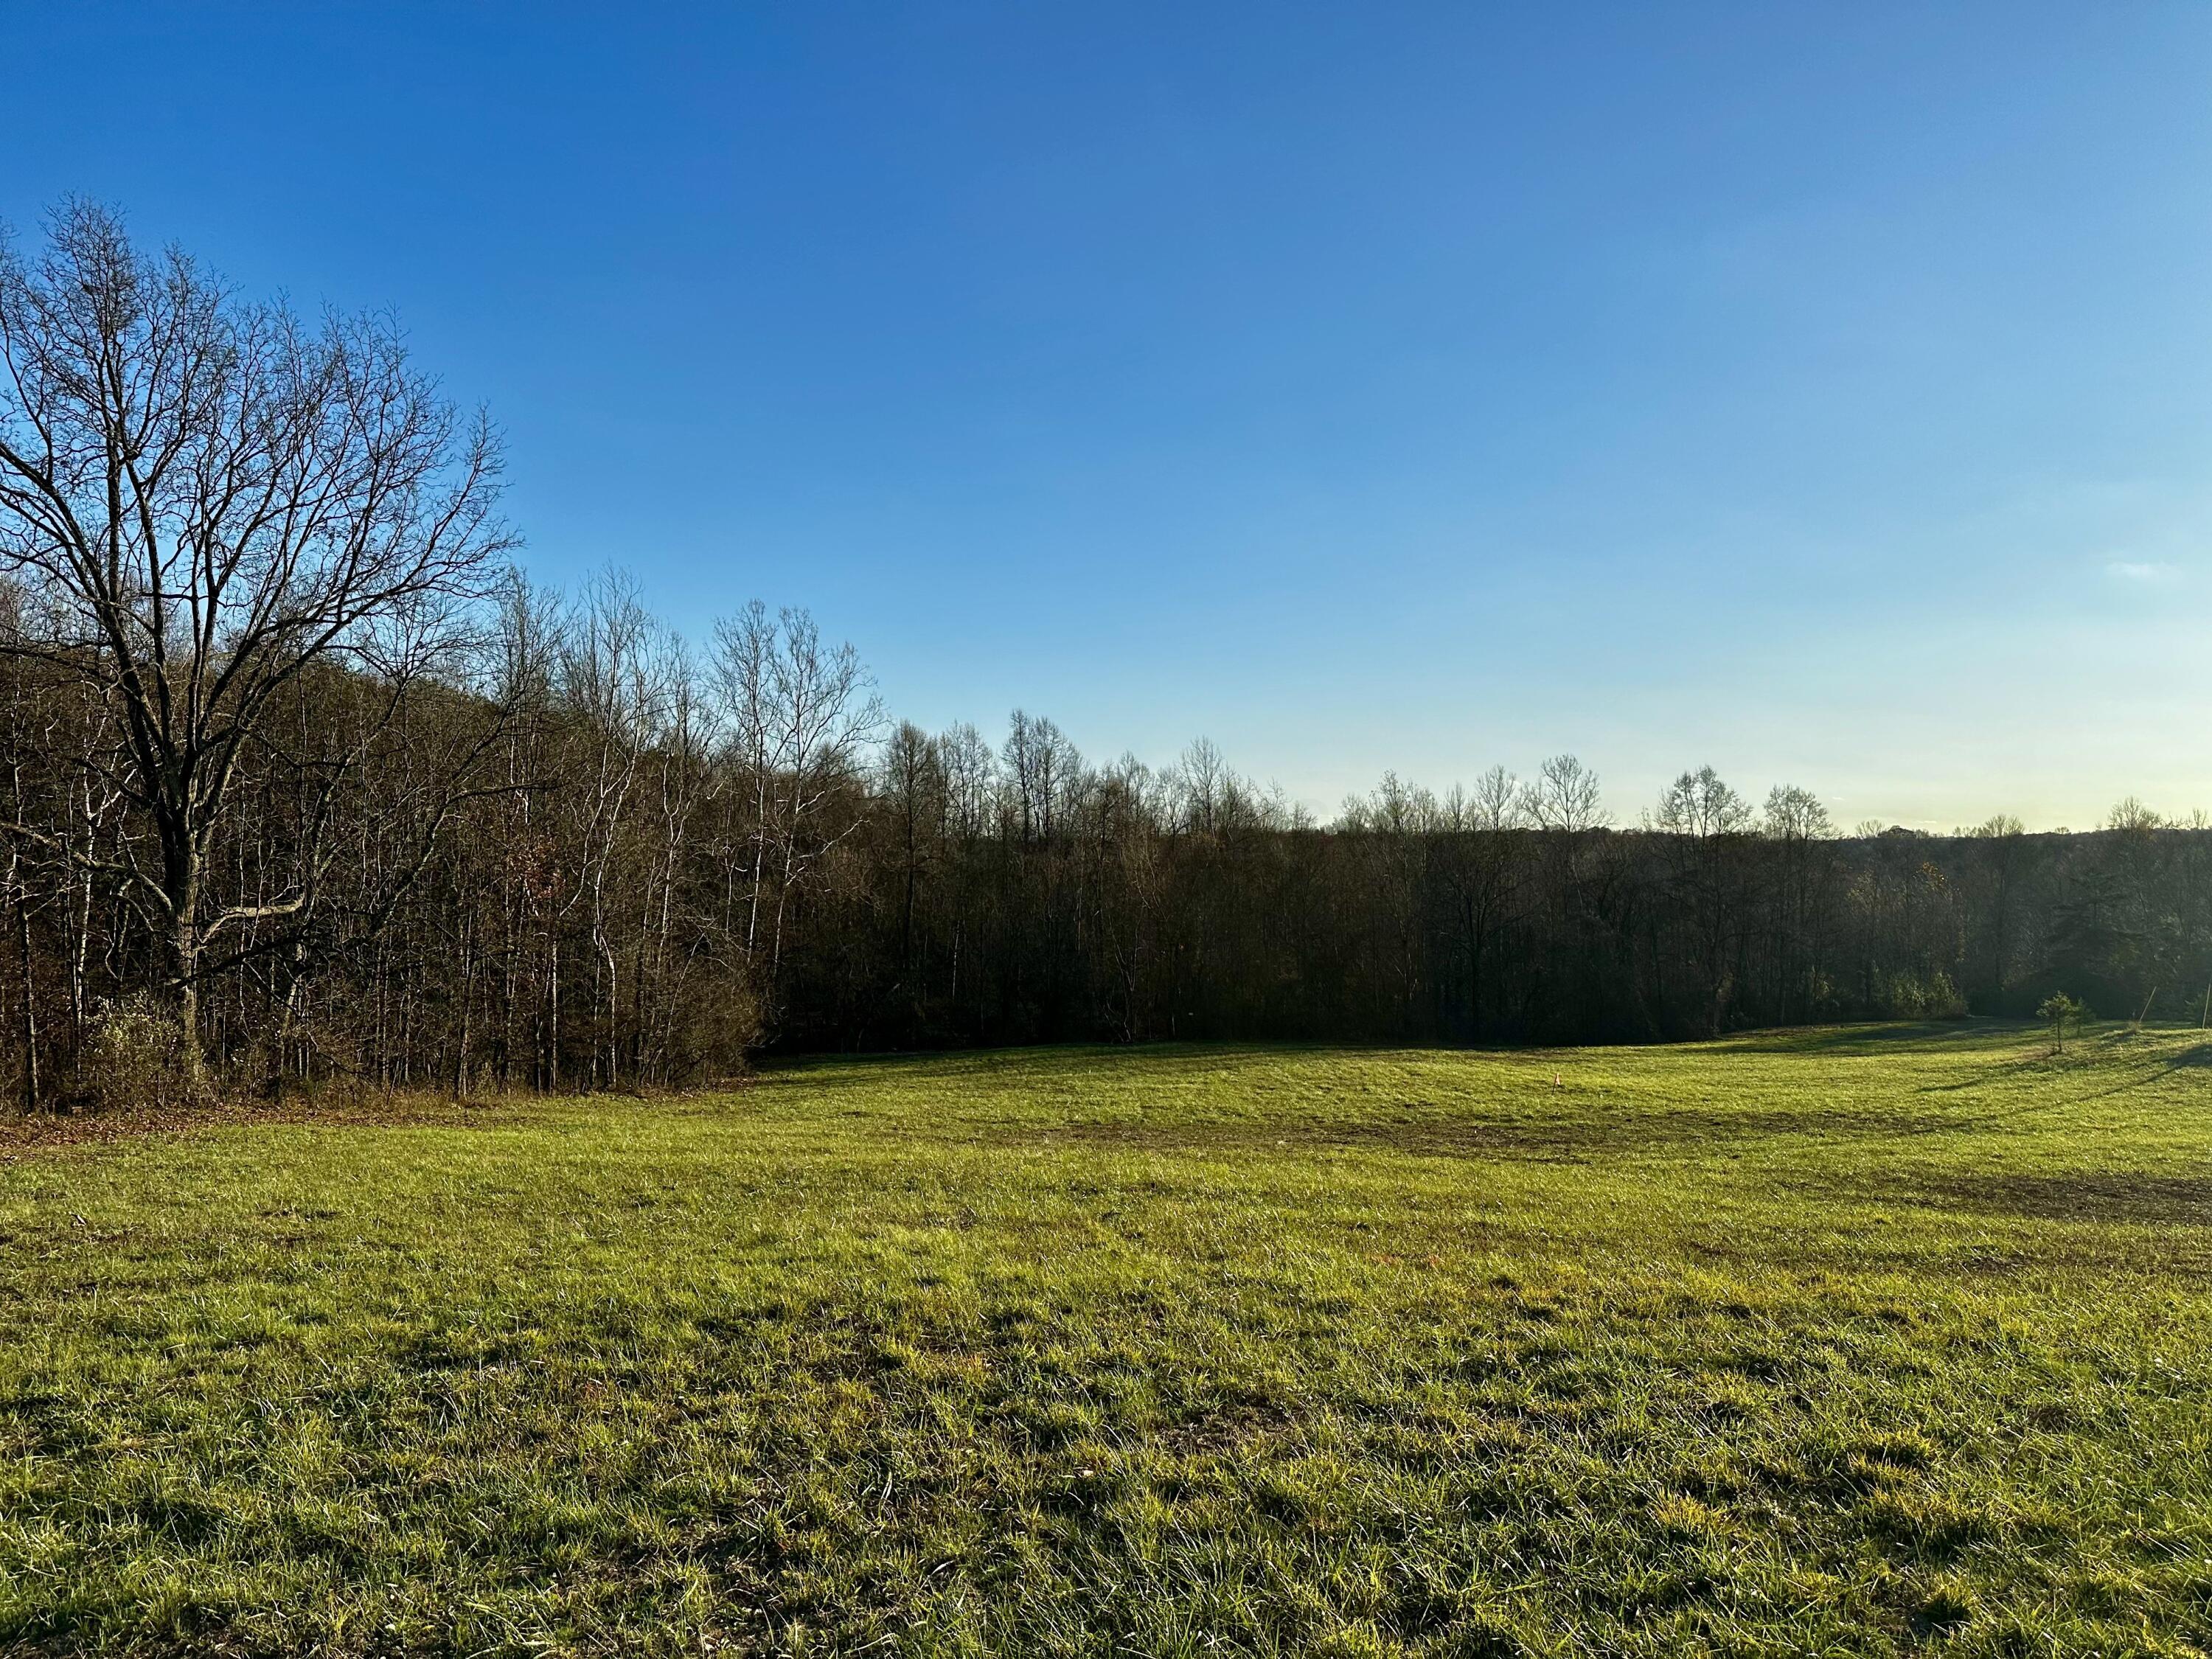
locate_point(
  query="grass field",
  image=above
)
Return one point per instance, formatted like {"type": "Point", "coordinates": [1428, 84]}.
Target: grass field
{"type": "Point", "coordinates": [1841, 1342]}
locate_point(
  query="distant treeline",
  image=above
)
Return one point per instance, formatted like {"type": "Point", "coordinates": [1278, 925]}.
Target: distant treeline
{"type": "Point", "coordinates": [302, 782]}
{"type": "Point", "coordinates": [1187, 904]}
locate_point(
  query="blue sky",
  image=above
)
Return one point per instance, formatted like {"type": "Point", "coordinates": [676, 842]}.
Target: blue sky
{"type": "Point", "coordinates": [1823, 392]}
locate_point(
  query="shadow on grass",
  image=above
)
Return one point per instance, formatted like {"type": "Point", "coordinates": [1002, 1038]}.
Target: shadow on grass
{"type": "Point", "coordinates": [1077, 1063]}
{"type": "Point", "coordinates": [1525, 1139]}
{"type": "Point", "coordinates": [2139, 1197]}
{"type": "Point", "coordinates": [1933, 1036]}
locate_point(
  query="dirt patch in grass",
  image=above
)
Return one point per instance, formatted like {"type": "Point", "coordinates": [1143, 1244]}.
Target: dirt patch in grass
{"type": "Point", "coordinates": [1227, 1430]}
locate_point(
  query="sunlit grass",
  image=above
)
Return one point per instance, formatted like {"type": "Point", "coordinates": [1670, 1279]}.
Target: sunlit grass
{"type": "Point", "coordinates": [1848, 1341]}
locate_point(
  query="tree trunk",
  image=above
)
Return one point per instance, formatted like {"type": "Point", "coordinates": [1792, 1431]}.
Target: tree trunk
{"type": "Point", "coordinates": [185, 952]}
{"type": "Point", "coordinates": [30, 1005]}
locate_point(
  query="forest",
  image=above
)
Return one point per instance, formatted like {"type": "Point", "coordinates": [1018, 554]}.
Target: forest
{"type": "Point", "coordinates": [305, 782]}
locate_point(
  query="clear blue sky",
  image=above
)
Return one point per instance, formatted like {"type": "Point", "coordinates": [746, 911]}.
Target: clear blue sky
{"type": "Point", "coordinates": [1824, 391]}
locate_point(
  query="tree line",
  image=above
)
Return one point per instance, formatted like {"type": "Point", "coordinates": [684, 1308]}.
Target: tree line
{"type": "Point", "coordinates": [304, 781]}
{"type": "Point", "coordinates": [1010, 897]}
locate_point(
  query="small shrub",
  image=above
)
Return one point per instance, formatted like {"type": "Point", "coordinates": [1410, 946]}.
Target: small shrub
{"type": "Point", "coordinates": [1936, 997]}
{"type": "Point", "coordinates": [133, 1058]}
{"type": "Point", "coordinates": [2059, 1011]}
{"type": "Point", "coordinates": [720, 1027]}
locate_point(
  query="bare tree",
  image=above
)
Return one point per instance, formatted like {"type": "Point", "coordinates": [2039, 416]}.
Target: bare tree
{"type": "Point", "coordinates": [1202, 779]}
{"type": "Point", "coordinates": [1041, 769]}
{"type": "Point", "coordinates": [1481, 866]}
{"type": "Point", "coordinates": [2131, 817]}
{"type": "Point", "coordinates": [204, 498]}
{"type": "Point", "coordinates": [1795, 815]}
{"type": "Point", "coordinates": [1495, 802]}
{"type": "Point", "coordinates": [971, 775]}
{"type": "Point", "coordinates": [1701, 814]}
{"type": "Point", "coordinates": [914, 789]}
{"type": "Point", "coordinates": [1701, 805]}
{"type": "Point", "coordinates": [799, 713]}
{"type": "Point", "coordinates": [608, 675]}
{"type": "Point", "coordinates": [1565, 796]}
{"type": "Point", "coordinates": [1795, 823]}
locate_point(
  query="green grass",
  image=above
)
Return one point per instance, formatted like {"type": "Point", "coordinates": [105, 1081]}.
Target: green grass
{"type": "Point", "coordinates": [1841, 1342]}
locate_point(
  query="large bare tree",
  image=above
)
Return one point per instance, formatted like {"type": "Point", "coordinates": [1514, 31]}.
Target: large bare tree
{"type": "Point", "coordinates": [202, 498]}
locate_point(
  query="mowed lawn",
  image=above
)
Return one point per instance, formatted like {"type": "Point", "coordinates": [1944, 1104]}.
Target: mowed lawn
{"type": "Point", "coordinates": [1853, 1341]}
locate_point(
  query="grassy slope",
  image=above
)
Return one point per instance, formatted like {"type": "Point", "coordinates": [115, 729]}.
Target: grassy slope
{"type": "Point", "coordinates": [1840, 1343]}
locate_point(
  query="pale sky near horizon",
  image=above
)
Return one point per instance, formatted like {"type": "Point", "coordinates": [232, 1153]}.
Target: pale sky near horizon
{"type": "Point", "coordinates": [1821, 392]}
